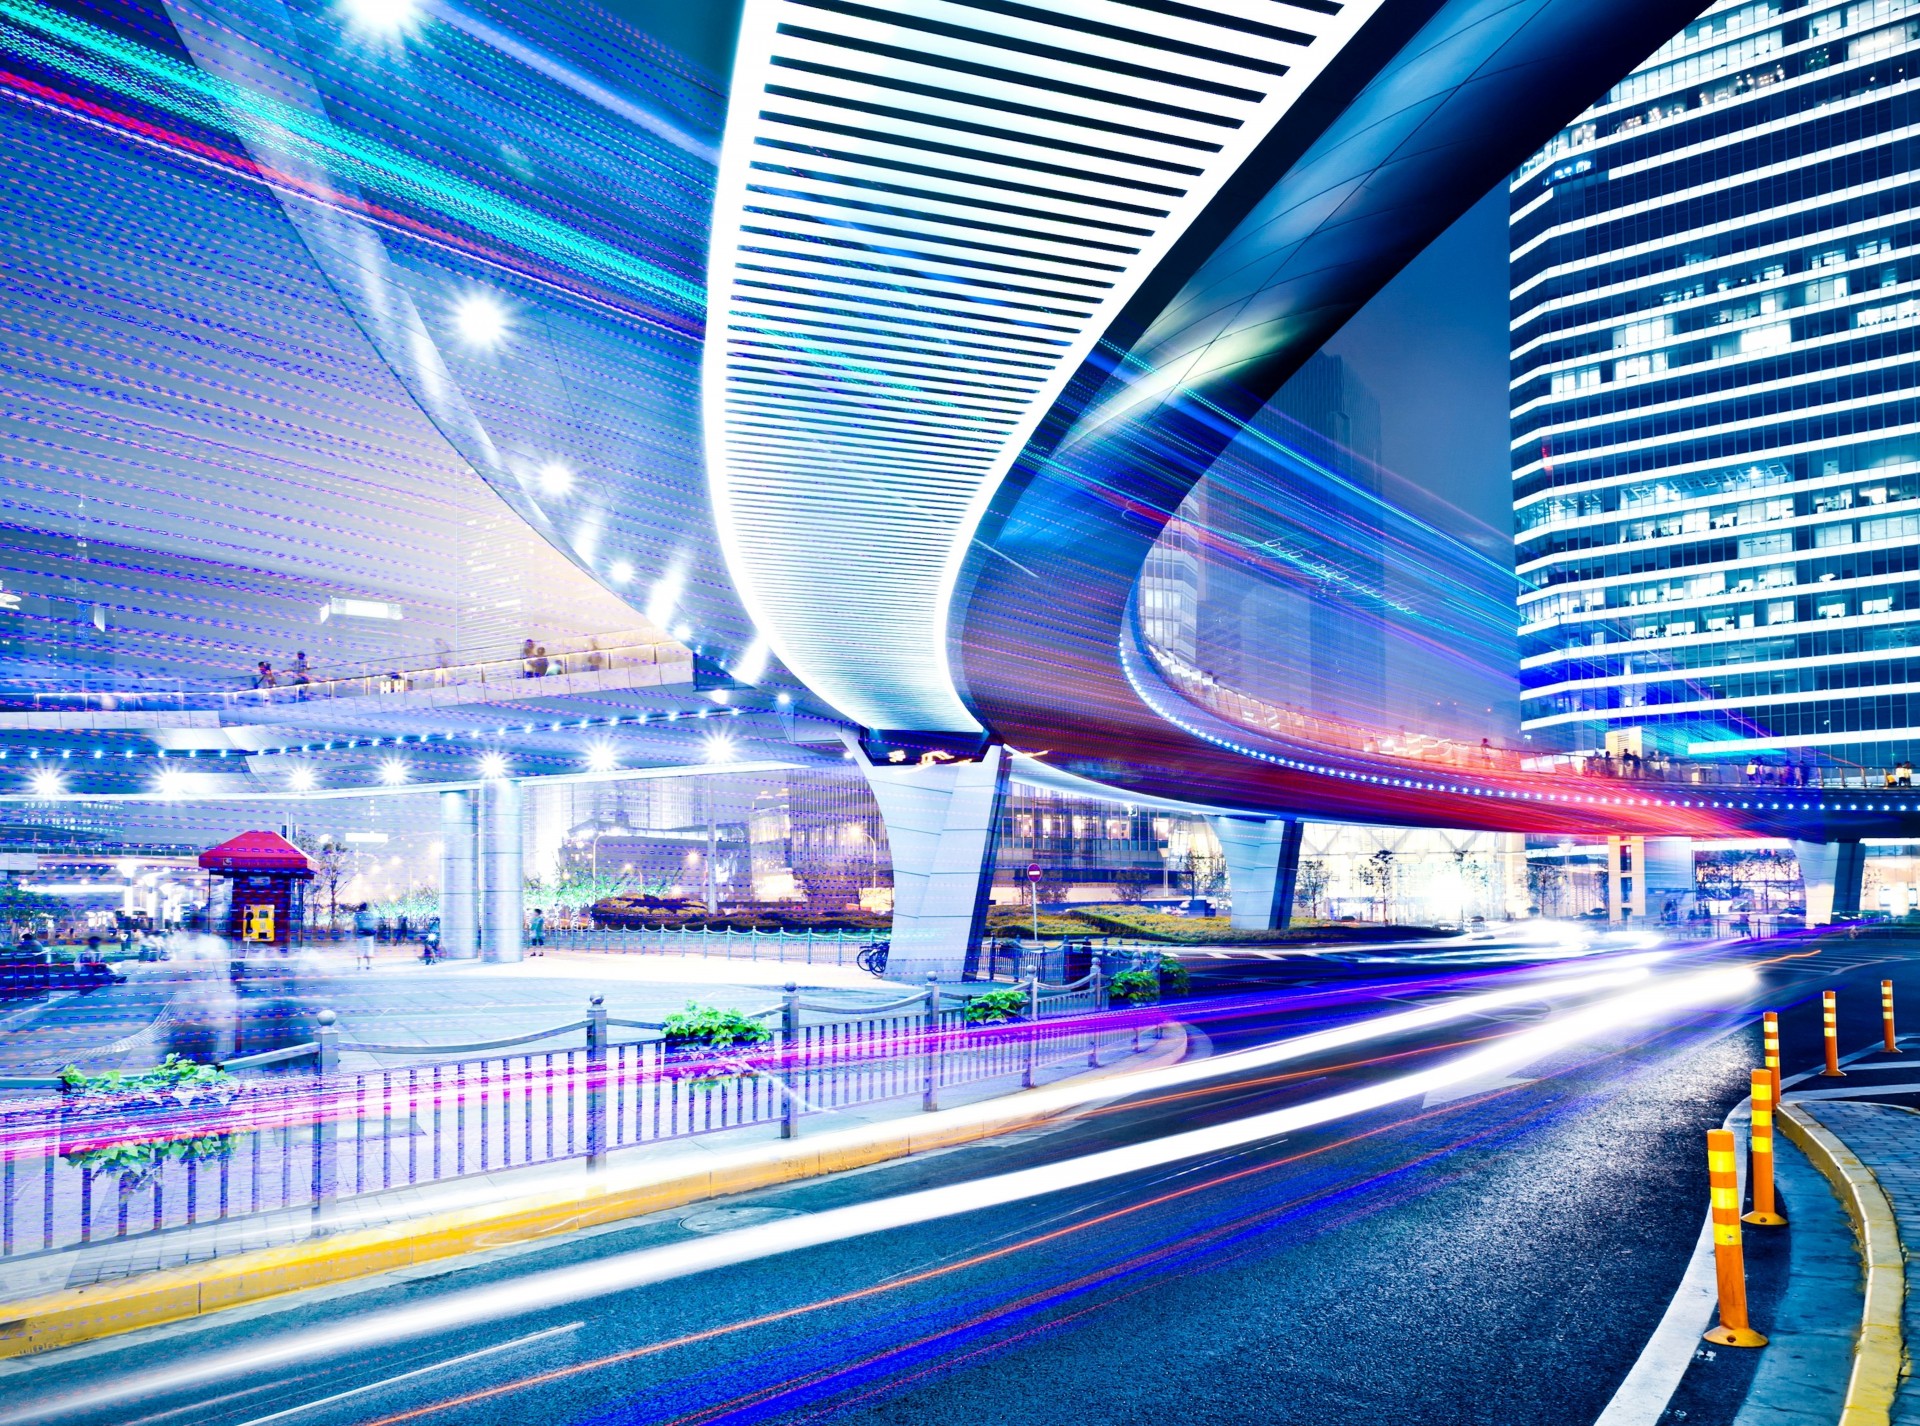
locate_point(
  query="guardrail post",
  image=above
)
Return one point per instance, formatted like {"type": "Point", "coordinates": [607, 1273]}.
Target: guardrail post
{"type": "Point", "coordinates": [790, 1069]}
{"type": "Point", "coordinates": [930, 1099]}
{"type": "Point", "coordinates": [597, 1083]}
{"type": "Point", "coordinates": [1033, 1032]}
{"type": "Point", "coordinates": [326, 1131]}
{"type": "Point", "coordinates": [327, 1044]}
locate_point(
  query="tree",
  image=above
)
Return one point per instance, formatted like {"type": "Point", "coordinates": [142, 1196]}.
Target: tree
{"type": "Point", "coordinates": [1130, 884]}
{"type": "Point", "coordinates": [19, 906]}
{"type": "Point", "coordinates": [1546, 884]}
{"type": "Point", "coordinates": [1206, 874]}
{"type": "Point", "coordinates": [1376, 874]}
{"type": "Point", "coordinates": [334, 864]}
{"type": "Point", "coordinates": [1310, 884]}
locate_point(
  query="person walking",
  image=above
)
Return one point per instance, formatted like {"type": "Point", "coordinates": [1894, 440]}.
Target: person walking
{"type": "Point", "coordinates": [263, 676]}
{"type": "Point", "coordinates": [538, 930]}
{"type": "Point", "coordinates": [527, 650]}
{"type": "Point", "coordinates": [364, 930]}
{"type": "Point", "coordinates": [540, 661]}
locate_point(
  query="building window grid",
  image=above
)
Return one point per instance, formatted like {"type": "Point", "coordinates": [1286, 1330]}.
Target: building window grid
{"type": "Point", "coordinates": [1824, 271]}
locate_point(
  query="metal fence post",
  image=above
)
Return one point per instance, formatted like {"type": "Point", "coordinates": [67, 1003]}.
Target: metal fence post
{"type": "Point", "coordinates": [930, 1100]}
{"type": "Point", "coordinates": [1033, 1032]}
{"type": "Point", "coordinates": [327, 1042]}
{"type": "Point", "coordinates": [597, 1083]}
{"type": "Point", "coordinates": [1096, 984]}
{"type": "Point", "coordinates": [326, 1132]}
{"type": "Point", "coordinates": [789, 1051]}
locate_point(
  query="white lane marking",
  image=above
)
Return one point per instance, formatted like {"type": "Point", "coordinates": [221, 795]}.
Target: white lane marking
{"type": "Point", "coordinates": [646, 1266]}
{"type": "Point", "coordinates": [1642, 1397]}
{"type": "Point", "coordinates": [461, 1360]}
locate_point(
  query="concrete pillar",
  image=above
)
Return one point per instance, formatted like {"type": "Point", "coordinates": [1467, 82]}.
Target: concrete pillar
{"type": "Point", "coordinates": [459, 888]}
{"type": "Point", "coordinates": [1833, 874]}
{"type": "Point", "coordinates": [941, 819]}
{"type": "Point", "coordinates": [503, 886]}
{"type": "Point", "coordinates": [1263, 867]}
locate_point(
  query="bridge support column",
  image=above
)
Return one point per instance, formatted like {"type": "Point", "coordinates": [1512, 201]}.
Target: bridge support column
{"type": "Point", "coordinates": [941, 822]}
{"type": "Point", "coordinates": [1263, 868]}
{"type": "Point", "coordinates": [503, 890]}
{"type": "Point", "coordinates": [1834, 874]}
{"type": "Point", "coordinates": [459, 890]}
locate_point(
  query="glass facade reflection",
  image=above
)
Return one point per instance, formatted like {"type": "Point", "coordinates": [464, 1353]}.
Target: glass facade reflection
{"type": "Point", "coordinates": [1716, 397]}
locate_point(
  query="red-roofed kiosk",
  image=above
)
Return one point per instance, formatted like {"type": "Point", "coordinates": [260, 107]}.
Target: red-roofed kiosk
{"type": "Point", "coordinates": [266, 876]}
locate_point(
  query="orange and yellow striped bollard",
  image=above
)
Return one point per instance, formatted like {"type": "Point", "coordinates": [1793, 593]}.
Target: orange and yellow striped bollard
{"type": "Point", "coordinates": [1886, 1017]}
{"type": "Point", "coordinates": [1830, 1027]}
{"type": "Point", "coordinates": [1766, 1213]}
{"type": "Point", "coordinates": [1770, 1046]}
{"type": "Point", "coordinates": [1729, 1263]}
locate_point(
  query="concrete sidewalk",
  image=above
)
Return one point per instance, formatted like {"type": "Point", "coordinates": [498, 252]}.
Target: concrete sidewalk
{"type": "Point", "coordinates": [1886, 1140]}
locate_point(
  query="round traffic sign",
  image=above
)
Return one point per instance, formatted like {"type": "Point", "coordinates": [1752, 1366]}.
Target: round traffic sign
{"type": "Point", "coordinates": [1033, 871]}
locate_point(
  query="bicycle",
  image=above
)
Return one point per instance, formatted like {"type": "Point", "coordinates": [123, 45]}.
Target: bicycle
{"type": "Point", "coordinates": [873, 957]}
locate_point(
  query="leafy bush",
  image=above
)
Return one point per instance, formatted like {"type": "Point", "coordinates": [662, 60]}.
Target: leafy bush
{"type": "Point", "coordinates": [996, 1007]}
{"type": "Point", "coordinates": [1174, 979]}
{"type": "Point", "coordinates": [174, 1082]}
{"type": "Point", "coordinates": [1134, 987]}
{"type": "Point", "coordinates": [707, 1028]}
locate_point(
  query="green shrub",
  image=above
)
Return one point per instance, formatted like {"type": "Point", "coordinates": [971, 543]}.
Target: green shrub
{"type": "Point", "coordinates": [1174, 979]}
{"type": "Point", "coordinates": [180, 1080]}
{"type": "Point", "coordinates": [996, 1007]}
{"type": "Point", "coordinates": [1134, 987]}
{"type": "Point", "coordinates": [172, 1083]}
{"type": "Point", "coordinates": [708, 1028]}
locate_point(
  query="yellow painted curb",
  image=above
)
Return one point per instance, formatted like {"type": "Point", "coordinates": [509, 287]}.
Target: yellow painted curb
{"type": "Point", "coordinates": [1880, 1346]}
{"type": "Point", "coordinates": [84, 1314]}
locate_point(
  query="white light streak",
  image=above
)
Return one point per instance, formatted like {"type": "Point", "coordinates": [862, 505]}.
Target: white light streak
{"type": "Point", "coordinates": [546, 1290]}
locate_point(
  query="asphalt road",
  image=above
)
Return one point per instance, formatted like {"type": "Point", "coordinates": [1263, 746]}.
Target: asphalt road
{"type": "Point", "coordinates": [1497, 1258]}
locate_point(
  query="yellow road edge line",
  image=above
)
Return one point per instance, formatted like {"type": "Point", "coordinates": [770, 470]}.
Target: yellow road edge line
{"type": "Point", "coordinates": [85, 1314]}
{"type": "Point", "coordinates": [1880, 1346]}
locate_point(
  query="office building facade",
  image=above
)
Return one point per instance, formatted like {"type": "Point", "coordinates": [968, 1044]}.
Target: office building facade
{"type": "Point", "coordinates": [1716, 397]}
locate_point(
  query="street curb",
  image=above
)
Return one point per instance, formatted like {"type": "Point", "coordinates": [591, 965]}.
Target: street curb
{"type": "Point", "coordinates": [85, 1314]}
{"type": "Point", "coordinates": [1879, 1348]}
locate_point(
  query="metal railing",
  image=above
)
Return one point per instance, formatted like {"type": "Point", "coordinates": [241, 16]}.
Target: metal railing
{"type": "Point", "coordinates": [1431, 752]}
{"type": "Point", "coordinates": [359, 681]}
{"type": "Point", "coordinates": [280, 1142]}
{"type": "Point", "coordinates": [833, 948]}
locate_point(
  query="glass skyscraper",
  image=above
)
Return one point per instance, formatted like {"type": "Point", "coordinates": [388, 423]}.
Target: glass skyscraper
{"type": "Point", "coordinates": [1716, 397]}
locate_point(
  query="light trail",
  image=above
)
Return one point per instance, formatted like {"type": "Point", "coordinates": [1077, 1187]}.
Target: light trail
{"type": "Point", "coordinates": [560, 1286]}
{"type": "Point", "coordinates": [1139, 1262]}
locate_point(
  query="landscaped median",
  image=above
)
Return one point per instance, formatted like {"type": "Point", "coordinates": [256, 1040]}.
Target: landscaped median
{"type": "Point", "coordinates": [612, 1194]}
